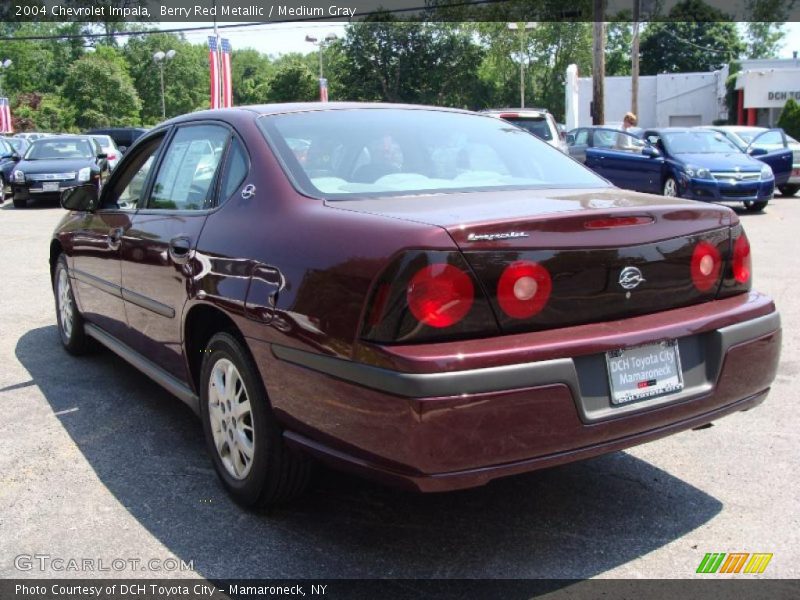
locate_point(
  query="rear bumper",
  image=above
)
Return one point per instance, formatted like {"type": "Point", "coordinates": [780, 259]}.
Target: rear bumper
{"type": "Point", "coordinates": [536, 400]}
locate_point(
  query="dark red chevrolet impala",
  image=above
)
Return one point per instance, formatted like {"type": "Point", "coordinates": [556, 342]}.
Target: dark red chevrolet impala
{"type": "Point", "coordinates": [429, 297]}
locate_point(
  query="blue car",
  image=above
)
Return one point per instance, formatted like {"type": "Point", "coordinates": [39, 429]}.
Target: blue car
{"type": "Point", "coordinates": [688, 162]}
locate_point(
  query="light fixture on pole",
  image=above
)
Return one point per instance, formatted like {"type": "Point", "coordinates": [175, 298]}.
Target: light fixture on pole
{"type": "Point", "coordinates": [329, 39]}
{"type": "Point", "coordinates": [522, 28]}
{"type": "Point", "coordinates": [160, 58]}
{"type": "Point", "coordinates": [4, 65]}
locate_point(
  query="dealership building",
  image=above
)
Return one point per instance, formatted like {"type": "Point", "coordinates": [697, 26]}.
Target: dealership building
{"type": "Point", "coordinates": [689, 99]}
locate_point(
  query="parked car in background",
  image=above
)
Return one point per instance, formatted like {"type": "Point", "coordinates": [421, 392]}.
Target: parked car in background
{"type": "Point", "coordinates": [772, 146]}
{"type": "Point", "coordinates": [538, 121]}
{"type": "Point", "coordinates": [109, 148]}
{"type": "Point", "coordinates": [18, 144]}
{"type": "Point", "coordinates": [52, 164]}
{"type": "Point", "coordinates": [30, 136]}
{"type": "Point", "coordinates": [596, 136]}
{"type": "Point", "coordinates": [692, 163]}
{"type": "Point", "coordinates": [123, 136]}
{"type": "Point", "coordinates": [427, 296]}
{"type": "Point", "coordinates": [7, 162]}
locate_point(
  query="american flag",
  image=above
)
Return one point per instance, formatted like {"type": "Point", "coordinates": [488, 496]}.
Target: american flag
{"type": "Point", "coordinates": [5, 117]}
{"type": "Point", "coordinates": [323, 89]}
{"type": "Point", "coordinates": [227, 90]}
{"type": "Point", "coordinates": [214, 67]}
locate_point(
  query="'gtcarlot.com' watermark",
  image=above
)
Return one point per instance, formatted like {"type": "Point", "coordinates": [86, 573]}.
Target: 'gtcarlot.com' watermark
{"type": "Point", "coordinates": [47, 562]}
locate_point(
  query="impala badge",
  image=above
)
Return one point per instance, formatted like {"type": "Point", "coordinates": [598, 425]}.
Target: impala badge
{"type": "Point", "coordinates": [631, 277]}
{"type": "Point", "coordinates": [490, 237]}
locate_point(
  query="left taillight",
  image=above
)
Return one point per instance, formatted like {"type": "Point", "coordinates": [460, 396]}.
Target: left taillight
{"type": "Point", "coordinates": [427, 296]}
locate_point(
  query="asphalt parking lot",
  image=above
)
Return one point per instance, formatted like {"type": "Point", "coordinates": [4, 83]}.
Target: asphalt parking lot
{"type": "Point", "coordinates": [98, 462]}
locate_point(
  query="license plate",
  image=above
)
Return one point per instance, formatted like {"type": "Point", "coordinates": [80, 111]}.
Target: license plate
{"type": "Point", "coordinates": [644, 371]}
{"type": "Point", "coordinates": [49, 186]}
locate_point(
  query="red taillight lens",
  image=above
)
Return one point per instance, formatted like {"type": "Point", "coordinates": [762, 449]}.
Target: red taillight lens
{"type": "Point", "coordinates": [111, 156]}
{"type": "Point", "coordinates": [440, 295]}
{"type": "Point", "coordinates": [742, 264]}
{"type": "Point", "coordinates": [524, 289]}
{"type": "Point", "coordinates": [706, 265]}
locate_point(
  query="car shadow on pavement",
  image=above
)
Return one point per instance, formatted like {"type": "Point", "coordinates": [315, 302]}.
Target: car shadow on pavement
{"type": "Point", "coordinates": [146, 447]}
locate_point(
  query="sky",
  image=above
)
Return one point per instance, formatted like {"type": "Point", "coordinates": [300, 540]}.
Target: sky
{"type": "Point", "coordinates": [282, 38]}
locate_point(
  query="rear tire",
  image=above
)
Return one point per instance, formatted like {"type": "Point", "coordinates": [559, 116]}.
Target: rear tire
{"type": "Point", "coordinates": [242, 435]}
{"type": "Point", "coordinates": [70, 321]}
{"type": "Point", "coordinates": [670, 188]}
{"type": "Point", "coordinates": [789, 190]}
{"type": "Point", "coordinates": [753, 206]}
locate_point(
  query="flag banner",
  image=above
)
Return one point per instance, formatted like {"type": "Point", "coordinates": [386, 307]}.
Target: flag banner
{"type": "Point", "coordinates": [5, 117]}
{"type": "Point", "coordinates": [227, 90]}
{"type": "Point", "coordinates": [213, 65]}
{"type": "Point", "coordinates": [323, 89]}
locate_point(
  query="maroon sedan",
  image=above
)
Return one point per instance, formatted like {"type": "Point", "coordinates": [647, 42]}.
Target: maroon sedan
{"type": "Point", "coordinates": [429, 297]}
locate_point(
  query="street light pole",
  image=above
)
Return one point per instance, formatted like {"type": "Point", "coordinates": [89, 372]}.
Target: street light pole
{"type": "Point", "coordinates": [331, 37]}
{"type": "Point", "coordinates": [513, 27]}
{"type": "Point", "coordinates": [4, 65]}
{"type": "Point", "coordinates": [160, 58]}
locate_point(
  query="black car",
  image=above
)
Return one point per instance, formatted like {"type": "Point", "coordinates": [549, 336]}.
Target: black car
{"type": "Point", "coordinates": [54, 164]}
{"type": "Point", "coordinates": [123, 136]}
{"type": "Point", "coordinates": [7, 162]}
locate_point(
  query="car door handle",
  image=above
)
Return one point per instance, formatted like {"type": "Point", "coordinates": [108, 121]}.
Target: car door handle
{"type": "Point", "coordinates": [180, 249]}
{"type": "Point", "coordinates": [115, 237]}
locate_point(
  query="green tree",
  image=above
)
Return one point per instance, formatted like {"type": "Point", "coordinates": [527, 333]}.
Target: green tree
{"type": "Point", "coordinates": [186, 78]}
{"type": "Point", "coordinates": [764, 39]}
{"type": "Point", "coordinates": [101, 91]}
{"type": "Point", "coordinates": [293, 81]}
{"type": "Point", "coordinates": [695, 37]}
{"type": "Point", "coordinates": [251, 72]}
{"type": "Point", "coordinates": [790, 118]}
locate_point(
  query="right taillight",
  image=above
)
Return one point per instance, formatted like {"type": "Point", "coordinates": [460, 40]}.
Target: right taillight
{"type": "Point", "coordinates": [739, 272]}
{"type": "Point", "coordinates": [705, 266]}
{"type": "Point", "coordinates": [742, 264]}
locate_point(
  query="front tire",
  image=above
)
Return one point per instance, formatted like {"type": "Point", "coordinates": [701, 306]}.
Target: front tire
{"type": "Point", "coordinates": [242, 435]}
{"type": "Point", "coordinates": [70, 321]}
{"type": "Point", "coordinates": [753, 206]}
{"type": "Point", "coordinates": [20, 202]}
{"type": "Point", "coordinates": [789, 190]}
{"type": "Point", "coordinates": [670, 188]}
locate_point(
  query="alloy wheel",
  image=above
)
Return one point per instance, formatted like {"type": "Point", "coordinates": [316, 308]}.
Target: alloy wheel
{"type": "Point", "coordinates": [670, 188]}
{"type": "Point", "coordinates": [231, 419]}
{"type": "Point", "coordinates": [66, 309]}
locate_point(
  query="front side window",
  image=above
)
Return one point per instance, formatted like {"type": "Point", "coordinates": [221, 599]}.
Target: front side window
{"type": "Point", "coordinates": [351, 153]}
{"type": "Point", "coordinates": [581, 138]}
{"type": "Point", "coordinates": [187, 172]}
{"type": "Point", "coordinates": [129, 188]}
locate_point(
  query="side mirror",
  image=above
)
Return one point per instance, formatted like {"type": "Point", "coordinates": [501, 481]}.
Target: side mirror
{"type": "Point", "coordinates": [15, 157]}
{"type": "Point", "coordinates": [83, 198]}
{"type": "Point", "coordinates": [650, 152]}
{"type": "Point", "coordinates": [757, 151]}
{"type": "Point", "coordinates": [571, 139]}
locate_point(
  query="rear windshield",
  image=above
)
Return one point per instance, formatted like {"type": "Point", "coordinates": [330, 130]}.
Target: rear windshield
{"type": "Point", "coordinates": [537, 126]}
{"type": "Point", "coordinates": [368, 152]}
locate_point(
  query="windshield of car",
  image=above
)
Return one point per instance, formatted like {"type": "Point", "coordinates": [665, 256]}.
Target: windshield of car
{"type": "Point", "coordinates": [16, 143]}
{"type": "Point", "coordinates": [350, 153]}
{"type": "Point", "coordinates": [697, 142]}
{"type": "Point", "coordinates": [104, 141]}
{"type": "Point", "coordinates": [747, 135]}
{"type": "Point", "coordinates": [536, 126]}
{"type": "Point", "coordinates": [45, 149]}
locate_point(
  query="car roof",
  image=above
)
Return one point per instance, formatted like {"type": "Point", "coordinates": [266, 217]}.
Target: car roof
{"type": "Point", "coordinates": [63, 138]}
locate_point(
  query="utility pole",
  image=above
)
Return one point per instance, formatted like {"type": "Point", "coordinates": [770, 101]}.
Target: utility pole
{"type": "Point", "coordinates": [635, 59]}
{"type": "Point", "coordinates": [598, 64]}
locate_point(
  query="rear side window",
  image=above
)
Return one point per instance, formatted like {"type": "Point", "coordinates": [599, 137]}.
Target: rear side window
{"type": "Point", "coordinates": [235, 170]}
{"type": "Point", "coordinates": [187, 173]}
